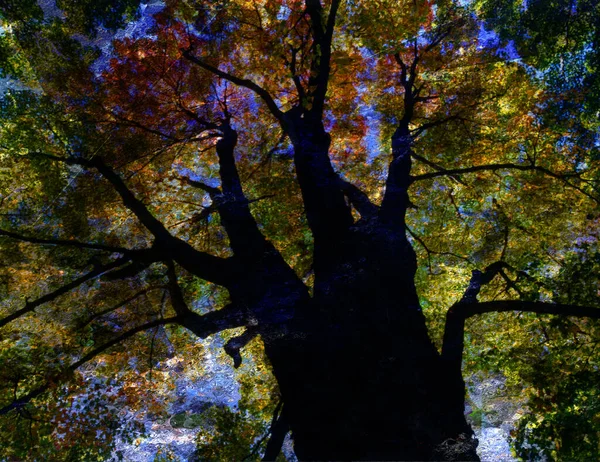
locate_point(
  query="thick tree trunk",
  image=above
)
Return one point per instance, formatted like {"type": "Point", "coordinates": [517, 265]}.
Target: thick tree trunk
{"type": "Point", "coordinates": [359, 376]}
{"type": "Point", "coordinates": [358, 373]}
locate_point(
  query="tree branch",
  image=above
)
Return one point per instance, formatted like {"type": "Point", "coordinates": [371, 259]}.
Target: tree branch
{"type": "Point", "coordinates": [421, 128]}
{"type": "Point", "coordinates": [206, 266]}
{"type": "Point", "coordinates": [294, 72]}
{"type": "Point", "coordinates": [177, 299]}
{"type": "Point", "coordinates": [435, 166]}
{"type": "Point", "coordinates": [228, 317]}
{"type": "Point", "coordinates": [395, 199]}
{"type": "Point", "coordinates": [320, 65]}
{"type": "Point", "coordinates": [403, 69]}
{"type": "Point", "coordinates": [244, 235]}
{"type": "Point", "coordinates": [484, 168]}
{"type": "Point", "coordinates": [430, 252]}
{"type": "Point", "coordinates": [211, 190]}
{"type": "Point", "coordinates": [131, 202]}
{"type": "Point", "coordinates": [30, 306]}
{"type": "Point", "coordinates": [479, 278]}
{"type": "Point", "coordinates": [202, 325]}
{"type": "Point", "coordinates": [453, 343]}
{"type": "Point", "coordinates": [233, 346]}
{"type": "Point", "coordinates": [500, 306]}
{"type": "Point", "coordinates": [279, 428]}
{"type": "Point", "coordinates": [246, 83]}
{"type": "Point", "coordinates": [64, 242]}
{"type": "Point", "coordinates": [359, 199]}
{"type": "Point", "coordinates": [505, 166]}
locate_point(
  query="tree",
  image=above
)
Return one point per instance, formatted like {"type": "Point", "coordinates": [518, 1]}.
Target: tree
{"type": "Point", "coordinates": [282, 163]}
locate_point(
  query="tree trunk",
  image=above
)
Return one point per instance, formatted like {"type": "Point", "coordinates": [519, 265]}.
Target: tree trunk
{"type": "Point", "coordinates": [359, 376]}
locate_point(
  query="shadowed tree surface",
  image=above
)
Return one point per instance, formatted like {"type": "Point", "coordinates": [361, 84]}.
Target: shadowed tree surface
{"type": "Point", "coordinates": [340, 187]}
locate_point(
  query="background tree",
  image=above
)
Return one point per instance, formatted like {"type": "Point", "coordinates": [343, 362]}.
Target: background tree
{"type": "Point", "coordinates": [273, 167]}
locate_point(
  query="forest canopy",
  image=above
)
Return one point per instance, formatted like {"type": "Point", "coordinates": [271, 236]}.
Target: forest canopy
{"type": "Point", "coordinates": [362, 201]}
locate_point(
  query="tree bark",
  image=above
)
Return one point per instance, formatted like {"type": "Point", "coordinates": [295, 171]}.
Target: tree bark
{"type": "Point", "coordinates": [358, 373]}
{"type": "Point", "coordinates": [359, 377]}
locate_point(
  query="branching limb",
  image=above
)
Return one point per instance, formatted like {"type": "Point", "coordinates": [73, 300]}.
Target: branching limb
{"type": "Point", "coordinates": [245, 238]}
{"type": "Point", "coordinates": [292, 65]}
{"type": "Point", "coordinates": [131, 202]}
{"type": "Point", "coordinates": [201, 325]}
{"type": "Point", "coordinates": [201, 264]}
{"type": "Point", "coordinates": [322, 38]}
{"type": "Point", "coordinates": [130, 270]}
{"type": "Point", "coordinates": [455, 319]}
{"type": "Point", "coordinates": [268, 156]}
{"type": "Point", "coordinates": [423, 127]}
{"type": "Point", "coordinates": [229, 317]}
{"type": "Point", "coordinates": [480, 278]}
{"type": "Point", "coordinates": [246, 83]}
{"type": "Point", "coordinates": [430, 251]}
{"type": "Point", "coordinates": [395, 199]}
{"type": "Point", "coordinates": [132, 123]}
{"type": "Point", "coordinates": [487, 168]}
{"type": "Point", "coordinates": [403, 69]}
{"type": "Point", "coordinates": [501, 306]}
{"type": "Point", "coordinates": [468, 306]}
{"type": "Point", "coordinates": [453, 342]}
{"type": "Point", "coordinates": [427, 162]}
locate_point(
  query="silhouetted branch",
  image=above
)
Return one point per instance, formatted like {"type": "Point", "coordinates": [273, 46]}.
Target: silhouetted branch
{"type": "Point", "coordinates": [279, 428]}
{"type": "Point", "coordinates": [430, 251]}
{"type": "Point", "coordinates": [233, 346]}
{"type": "Point", "coordinates": [246, 83]}
{"type": "Point", "coordinates": [64, 242]}
{"type": "Point", "coordinates": [201, 264]}
{"type": "Point", "coordinates": [500, 306]}
{"type": "Point", "coordinates": [228, 317]}
{"type": "Point", "coordinates": [468, 306]}
{"type": "Point", "coordinates": [488, 168]}
{"type": "Point", "coordinates": [211, 190]}
{"type": "Point", "coordinates": [322, 38]}
{"type": "Point", "coordinates": [505, 166]}
{"type": "Point", "coordinates": [30, 306]}
{"type": "Point", "coordinates": [177, 299]}
{"type": "Point", "coordinates": [421, 128]}
{"type": "Point", "coordinates": [359, 199]}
